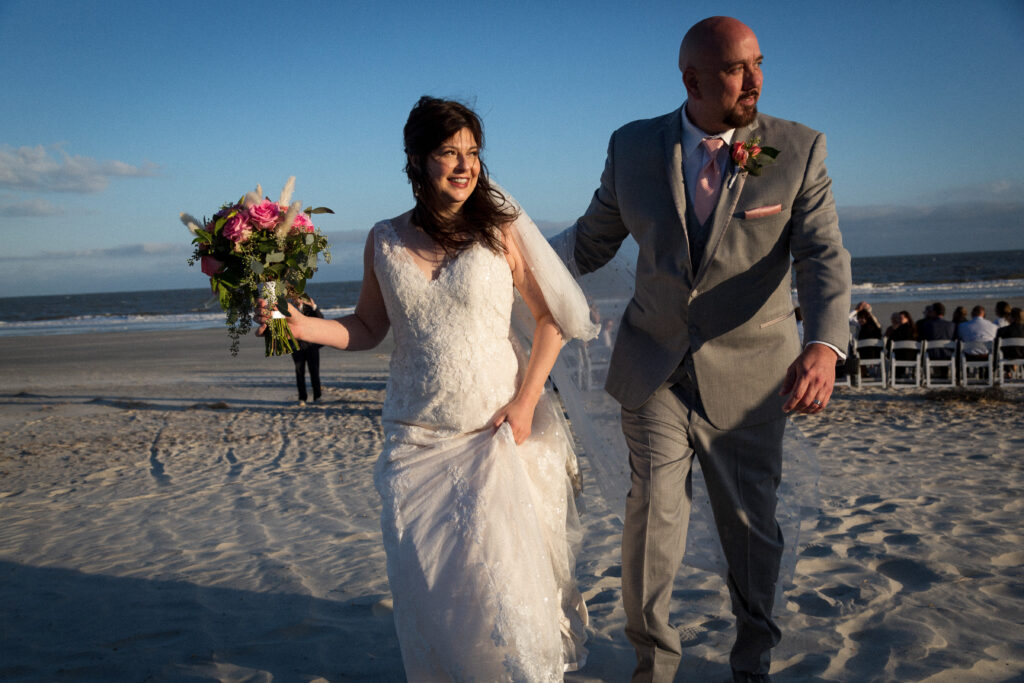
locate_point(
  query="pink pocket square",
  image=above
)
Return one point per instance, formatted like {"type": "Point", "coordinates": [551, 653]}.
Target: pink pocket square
{"type": "Point", "coordinates": [762, 211]}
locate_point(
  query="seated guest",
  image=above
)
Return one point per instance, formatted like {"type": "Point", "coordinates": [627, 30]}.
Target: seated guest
{"type": "Point", "coordinates": [865, 307]}
{"type": "Point", "coordinates": [927, 314]}
{"type": "Point", "coordinates": [869, 329]}
{"type": "Point", "coordinates": [977, 329]}
{"type": "Point", "coordinates": [904, 331]}
{"type": "Point", "coordinates": [936, 328]}
{"type": "Point", "coordinates": [895, 320]}
{"type": "Point", "coordinates": [959, 316]}
{"type": "Point", "coordinates": [1002, 314]}
{"type": "Point", "coordinates": [1014, 328]}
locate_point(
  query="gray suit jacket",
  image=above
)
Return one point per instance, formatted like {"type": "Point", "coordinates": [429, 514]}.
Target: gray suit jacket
{"type": "Point", "coordinates": [735, 311]}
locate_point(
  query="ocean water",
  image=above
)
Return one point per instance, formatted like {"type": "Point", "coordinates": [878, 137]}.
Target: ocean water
{"type": "Point", "coordinates": [926, 277]}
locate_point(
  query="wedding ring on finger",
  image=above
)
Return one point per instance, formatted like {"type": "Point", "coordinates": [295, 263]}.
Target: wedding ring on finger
{"type": "Point", "coordinates": [816, 403]}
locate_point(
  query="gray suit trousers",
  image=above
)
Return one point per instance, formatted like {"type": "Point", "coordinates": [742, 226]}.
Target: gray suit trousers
{"type": "Point", "coordinates": [742, 469]}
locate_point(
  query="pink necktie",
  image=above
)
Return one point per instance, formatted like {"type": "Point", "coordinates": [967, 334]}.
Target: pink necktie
{"type": "Point", "coordinates": [709, 182]}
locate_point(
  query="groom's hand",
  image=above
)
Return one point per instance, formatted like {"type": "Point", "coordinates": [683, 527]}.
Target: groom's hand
{"type": "Point", "coordinates": [809, 380]}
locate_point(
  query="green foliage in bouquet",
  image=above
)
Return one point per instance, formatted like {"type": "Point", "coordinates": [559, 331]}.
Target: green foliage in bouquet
{"type": "Point", "coordinates": [257, 243]}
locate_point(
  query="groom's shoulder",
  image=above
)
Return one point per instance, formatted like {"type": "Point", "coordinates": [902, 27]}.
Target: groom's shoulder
{"type": "Point", "coordinates": [645, 127]}
{"type": "Point", "coordinates": [773, 127]}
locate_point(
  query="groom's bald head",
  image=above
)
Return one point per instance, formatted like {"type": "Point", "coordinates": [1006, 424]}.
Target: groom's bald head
{"type": "Point", "coordinates": [709, 37]}
{"type": "Point", "coordinates": [720, 61]}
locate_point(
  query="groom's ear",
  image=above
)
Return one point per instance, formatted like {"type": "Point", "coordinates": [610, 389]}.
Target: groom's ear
{"type": "Point", "coordinates": [691, 82]}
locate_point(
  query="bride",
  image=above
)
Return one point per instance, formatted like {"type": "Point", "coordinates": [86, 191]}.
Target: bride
{"type": "Point", "coordinates": [476, 477]}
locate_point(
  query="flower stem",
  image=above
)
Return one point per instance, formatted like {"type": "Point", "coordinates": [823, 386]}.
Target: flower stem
{"type": "Point", "coordinates": [279, 338]}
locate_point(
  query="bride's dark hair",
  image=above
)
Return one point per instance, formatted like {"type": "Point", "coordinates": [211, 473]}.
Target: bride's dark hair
{"type": "Point", "coordinates": [430, 123]}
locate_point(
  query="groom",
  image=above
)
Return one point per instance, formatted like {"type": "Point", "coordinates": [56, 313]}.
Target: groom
{"type": "Point", "coordinates": [707, 361]}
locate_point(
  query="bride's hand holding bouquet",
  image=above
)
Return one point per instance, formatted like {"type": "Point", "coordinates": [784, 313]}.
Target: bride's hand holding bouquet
{"type": "Point", "coordinates": [257, 249]}
{"type": "Point", "coordinates": [266, 315]}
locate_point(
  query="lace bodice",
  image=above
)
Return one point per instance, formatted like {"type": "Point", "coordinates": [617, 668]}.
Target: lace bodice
{"type": "Point", "coordinates": [454, 364]}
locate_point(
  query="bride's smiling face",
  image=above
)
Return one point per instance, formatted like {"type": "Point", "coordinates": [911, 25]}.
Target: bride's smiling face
{"type": "Point", "coordinates": [453, 169]}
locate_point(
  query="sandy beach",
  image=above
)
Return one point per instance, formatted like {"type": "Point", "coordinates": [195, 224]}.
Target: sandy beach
{"type": "Point", "coordinates": [170, 514]}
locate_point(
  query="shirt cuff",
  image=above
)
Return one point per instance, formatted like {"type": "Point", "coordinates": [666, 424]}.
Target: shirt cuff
{"type": "Point", "coordinates": [842, 356]}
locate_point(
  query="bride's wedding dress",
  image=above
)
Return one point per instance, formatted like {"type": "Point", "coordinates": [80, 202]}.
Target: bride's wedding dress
{"type": "Point", "coordinates": [480, 533]}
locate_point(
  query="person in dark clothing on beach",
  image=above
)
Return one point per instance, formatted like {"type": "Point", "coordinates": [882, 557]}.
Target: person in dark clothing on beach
{"type": "Point", "coordinates": [308, 355]}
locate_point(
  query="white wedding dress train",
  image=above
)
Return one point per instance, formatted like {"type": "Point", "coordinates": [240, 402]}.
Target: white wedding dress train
{"type": "Point", "coordinates": [480, 533]}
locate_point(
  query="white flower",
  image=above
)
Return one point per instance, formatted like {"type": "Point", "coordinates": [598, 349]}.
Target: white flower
{"type": "Point", "coordinates": [283, 229]}
{"type": "Point", "coordinates": [286, 193]}
{"type": "Point", "coordinates": [190, 222]}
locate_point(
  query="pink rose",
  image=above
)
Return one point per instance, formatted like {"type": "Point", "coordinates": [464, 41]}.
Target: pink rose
{"type": "Point", "coordinates": [302, 223]}
{"type": "Point", "coordinates": [265, 214]}
{"type": "Point", "coordinates": [739, 155]}
{"type": "Point", "coordinates": [754, 150]}
{"type": "Point", "coordinates": [237, 229]}
{"type": "Point", "coordinates": [210, 266]}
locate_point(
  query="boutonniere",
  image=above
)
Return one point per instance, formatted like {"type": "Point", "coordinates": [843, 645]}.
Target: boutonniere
{"type": "Point", "coordinates": [751, 157]}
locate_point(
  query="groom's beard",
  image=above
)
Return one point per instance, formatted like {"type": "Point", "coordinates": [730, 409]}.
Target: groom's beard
{"type": "Point", "coordinates": [742, 115]}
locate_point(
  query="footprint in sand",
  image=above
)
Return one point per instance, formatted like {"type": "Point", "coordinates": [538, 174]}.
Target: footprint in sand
{"type": "Point", "coordinates": [604, 597]}
{"type": "Point", "coordinates": [691, 595]}
{"type": "Point", "coordinates": [860, 552]}
{"type": "Point", "coordinates": [913, 575]}
{"type": "Point", "coordinates": [817, 550]}
{"type": "Point", "coordinates": [815, 606]}
{"type": "Point", "coordinates": [842, 593]}
{"type": "Point", "coordinates": [902, 538]}
{"type": "Point", "coordinates": [690, 636]}
{"type": "Point", "coordinates": [825, 523]}
{"type": "Point", "coordinates": [864, 527]}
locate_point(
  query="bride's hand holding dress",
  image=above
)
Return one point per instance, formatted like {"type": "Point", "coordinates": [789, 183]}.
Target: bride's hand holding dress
{"type": "Point", "coordinates": [547, 342]}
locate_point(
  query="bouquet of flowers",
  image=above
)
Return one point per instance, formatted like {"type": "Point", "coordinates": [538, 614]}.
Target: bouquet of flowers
{"type": "Point", "coordinates": [257, 248]}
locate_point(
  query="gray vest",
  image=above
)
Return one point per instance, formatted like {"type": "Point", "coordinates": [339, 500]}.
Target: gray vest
{"type": "Point", "coordinates": [697, 234]}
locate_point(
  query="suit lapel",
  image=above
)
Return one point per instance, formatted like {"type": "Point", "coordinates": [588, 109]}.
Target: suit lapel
{"type": "Point", "coordinates": [732, 187]}
{"type": "Point", "coordinates": [673, 145]}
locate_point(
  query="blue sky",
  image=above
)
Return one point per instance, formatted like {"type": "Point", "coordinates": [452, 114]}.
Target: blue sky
{"type": "Point", "coordinates": [117, 115]}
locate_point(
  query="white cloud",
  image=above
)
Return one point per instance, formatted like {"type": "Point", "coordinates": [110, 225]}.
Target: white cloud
{"type": "Point", "coordinates": [53, 170]}
{"type": "Point", "coordinates": [29, 208]}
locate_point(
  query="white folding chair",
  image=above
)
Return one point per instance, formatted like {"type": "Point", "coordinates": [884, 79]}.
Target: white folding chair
{"type": "Point", "coordinates": [976, 364]}
{"type": "Point", "coordinates": [599, 358]}
{"type": "Point", "coordinates": [1010, 371]}
{"type": "Point", "coordinates": [911, 374]}
{"type": "Point", "coordinates": [872, 370]}
{"type": "Point", "coordinates": [939, 371]}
